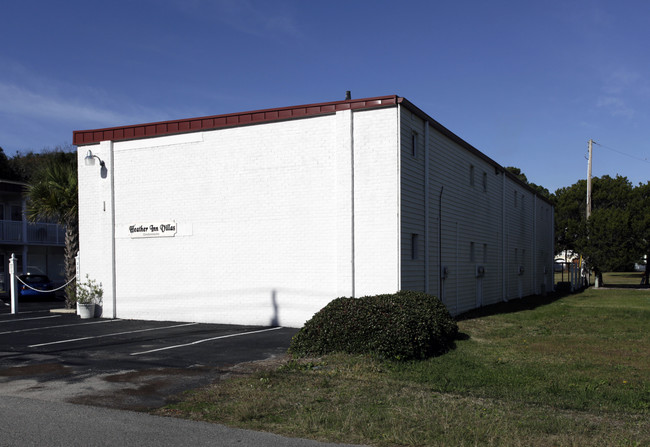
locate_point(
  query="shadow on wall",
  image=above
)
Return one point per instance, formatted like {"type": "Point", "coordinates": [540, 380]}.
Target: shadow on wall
{"type": "Point", "coordinates": [274, 302]}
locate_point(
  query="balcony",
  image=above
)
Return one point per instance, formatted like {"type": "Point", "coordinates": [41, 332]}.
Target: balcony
{"type": "Point", "coordinates": [17, 232]}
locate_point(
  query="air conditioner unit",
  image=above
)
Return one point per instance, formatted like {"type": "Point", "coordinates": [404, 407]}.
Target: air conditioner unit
{"type": "Point", "coordinates": [521, 270]}
{"type": "Point", "coordinates": [480, 271]}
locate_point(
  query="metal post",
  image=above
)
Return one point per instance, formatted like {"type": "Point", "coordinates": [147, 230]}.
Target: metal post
{"type": "Point", "coordinates": [13, 284]}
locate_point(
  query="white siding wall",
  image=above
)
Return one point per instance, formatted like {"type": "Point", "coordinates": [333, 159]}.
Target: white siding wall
{"type": "Point", "coordinates": [520, 241]}
{"type": "Point", "coordinates": [264, 219]}
{"type": "Point", "coordinates": [412, 202]}
{"type": "Point", "coordinates": [477, 214]}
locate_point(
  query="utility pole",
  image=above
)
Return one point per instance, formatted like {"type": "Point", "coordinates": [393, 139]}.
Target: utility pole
{"type": "Point", "coordinates": [591, 142]}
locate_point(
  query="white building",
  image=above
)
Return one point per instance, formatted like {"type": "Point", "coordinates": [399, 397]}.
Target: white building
{"type": "Point", "coordinates": [264, 217]}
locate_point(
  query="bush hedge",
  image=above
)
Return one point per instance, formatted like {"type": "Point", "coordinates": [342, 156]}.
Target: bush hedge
{"type": "Point", "coordinates": [401, 326]}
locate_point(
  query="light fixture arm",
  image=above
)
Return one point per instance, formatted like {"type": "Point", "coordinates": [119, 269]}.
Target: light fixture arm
{"type": "Point", "coordinates": [89, 159]}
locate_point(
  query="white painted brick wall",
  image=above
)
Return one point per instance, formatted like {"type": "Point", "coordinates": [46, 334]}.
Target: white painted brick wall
{"type": "Point", "coordinates": [95, 221]}
{"type": "Point", "coordinates": [376, 201]}
{"type": "Point", "coordinates": [263, 236]}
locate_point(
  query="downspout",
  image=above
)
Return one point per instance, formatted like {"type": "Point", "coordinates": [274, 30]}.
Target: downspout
{"type": "Point", "coordinates": [352, 202]}
{"type": "Point", "coordinates": [535, 282]}
{"type": "Point", "coordinates": [113, 263]}
{"type": "Point", "coordinates": [457, 267]}
{"type": "Point", "coordinates": [504, 264]}
{"type": "Point", "coordinates": [399, 197]}
{"type": "Point", "coordinates": [426, 209]}
{"type": "Point", "coordinates": [440, 279]}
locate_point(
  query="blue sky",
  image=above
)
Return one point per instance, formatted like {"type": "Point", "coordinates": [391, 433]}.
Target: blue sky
{"type": "Point", "coordinates": [527, 83]}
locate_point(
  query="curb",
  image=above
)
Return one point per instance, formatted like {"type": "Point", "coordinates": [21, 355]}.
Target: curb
{"type": "Point", "coordinates": [63, 311]}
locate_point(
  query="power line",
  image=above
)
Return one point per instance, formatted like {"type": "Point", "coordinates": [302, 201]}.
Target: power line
{"type": "Point", "coordinates": [645, 160]}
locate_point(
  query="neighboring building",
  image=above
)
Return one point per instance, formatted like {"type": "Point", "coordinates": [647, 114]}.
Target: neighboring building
{"type": "Point", "coordinates": [38, 246]}
{"type": "Point", "coordinates": [264, 217]}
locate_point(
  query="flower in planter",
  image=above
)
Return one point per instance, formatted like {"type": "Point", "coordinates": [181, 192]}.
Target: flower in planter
{"type": "Point", "coordinates": [89, 292]}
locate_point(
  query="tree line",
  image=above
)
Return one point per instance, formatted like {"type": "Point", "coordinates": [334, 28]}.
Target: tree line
{"type": "Point", "coordinates": [52, 194]}
{"type": "Point", "coordinates": [617, 234]}
{"type": "Point", "coordinates": [27, 166]}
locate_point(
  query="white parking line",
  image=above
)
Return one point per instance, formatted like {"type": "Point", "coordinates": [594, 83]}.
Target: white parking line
{"type": "Point", "coordinates": [109, 335]}
{"type": "Point", "coordinates": [206, 339]}
{"type": "Point", "coordinates": [55, 327]}
{"type": "Point", "coordinates": [27, 319]}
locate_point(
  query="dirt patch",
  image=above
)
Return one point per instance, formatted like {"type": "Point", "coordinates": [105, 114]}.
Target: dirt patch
{"type": "Point", "coordinates": [35, 370]}
{"type": "Point", "coordinates": [146, 390]}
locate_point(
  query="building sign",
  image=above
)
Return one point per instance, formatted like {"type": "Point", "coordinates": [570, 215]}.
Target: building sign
{"type": "Point", "coordinates": [163, 229]}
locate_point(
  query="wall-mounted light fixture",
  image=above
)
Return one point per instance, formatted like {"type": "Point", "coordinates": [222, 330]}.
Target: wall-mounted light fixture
{"type": "Point", "coordinates": [89, 160]}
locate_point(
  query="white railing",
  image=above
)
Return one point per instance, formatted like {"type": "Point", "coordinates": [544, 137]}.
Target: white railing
{"type": "Point", "coordinates": [31, 233]}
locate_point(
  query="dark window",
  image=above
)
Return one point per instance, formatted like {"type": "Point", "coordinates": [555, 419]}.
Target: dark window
{"type": "Point", "coordinates": [414, 144]}
{"type": "Point", "coordinates": [414, 246]}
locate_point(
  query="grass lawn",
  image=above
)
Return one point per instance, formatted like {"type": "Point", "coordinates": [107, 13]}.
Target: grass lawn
{"type": "Point", "coordinates": [539, 372]}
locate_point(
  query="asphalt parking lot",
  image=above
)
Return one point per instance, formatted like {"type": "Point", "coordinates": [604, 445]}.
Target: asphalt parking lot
{"type": "Point", "coordinates": [125, 364]}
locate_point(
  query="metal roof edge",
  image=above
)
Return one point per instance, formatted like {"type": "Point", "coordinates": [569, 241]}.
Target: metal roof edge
{"type": "Point", "coordinates": [148, 130]}
{"type": "Point", "coordinates": [458, 140]}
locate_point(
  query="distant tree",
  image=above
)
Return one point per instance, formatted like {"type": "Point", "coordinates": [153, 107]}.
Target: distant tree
{"type": "Point", "coordinates": [53, 194]}
{"type": "Point", "coordinates": [521, 176]}
{"type": "Point", "coordinates": [570, 210]}
{"type": "Point", "coordinates": [27, 165]}
{"type": "Point", "coordinates": [6, 169]}
{"type": "Point", "coordinates": [608, 240]}
{"type": "Point", "coordinates": [641, 222]}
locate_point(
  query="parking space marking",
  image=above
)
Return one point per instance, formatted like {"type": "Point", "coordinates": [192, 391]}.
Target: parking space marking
{"type": "Point", "coordinates": [28, 312]}
{"type": "Point", "coordinates": [110, 335]}
{"type": "Point", "coordinates": [28, 319]}
{"type": "Point", "coordinates": [205, 340]}
{"type": "Point", "coordinates": [56, 327]}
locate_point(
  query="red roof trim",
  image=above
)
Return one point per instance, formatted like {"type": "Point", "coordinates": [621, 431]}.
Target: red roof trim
{"type": "Point", "coordinates": [82, 137]}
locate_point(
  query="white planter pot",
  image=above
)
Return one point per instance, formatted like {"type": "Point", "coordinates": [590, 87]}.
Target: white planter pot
{"type": "Point", "coordinates": [86, 310]}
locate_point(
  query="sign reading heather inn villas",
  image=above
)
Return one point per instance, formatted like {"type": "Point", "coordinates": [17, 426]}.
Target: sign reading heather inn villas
{"type": "Point", "coordinates": [166, 229]}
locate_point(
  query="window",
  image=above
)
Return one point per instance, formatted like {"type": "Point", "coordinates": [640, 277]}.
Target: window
{"type": "Point", "coordinates": [414, 247]}
{"type": "Point", "coordinates": [414, 144]}
{"type": "Point", "coordinates": [485, 181]}
{"type": "Point", "coordinates": [471, 175]}
{"type": "Point", "coordinates": [472, 254]}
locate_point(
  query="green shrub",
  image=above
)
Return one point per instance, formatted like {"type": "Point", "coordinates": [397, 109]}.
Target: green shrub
{"type": "Point", "coordinates": [402, 326]}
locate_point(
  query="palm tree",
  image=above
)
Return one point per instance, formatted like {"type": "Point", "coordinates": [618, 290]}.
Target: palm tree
{"type": "Point", "coordinates": [52, 194]}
